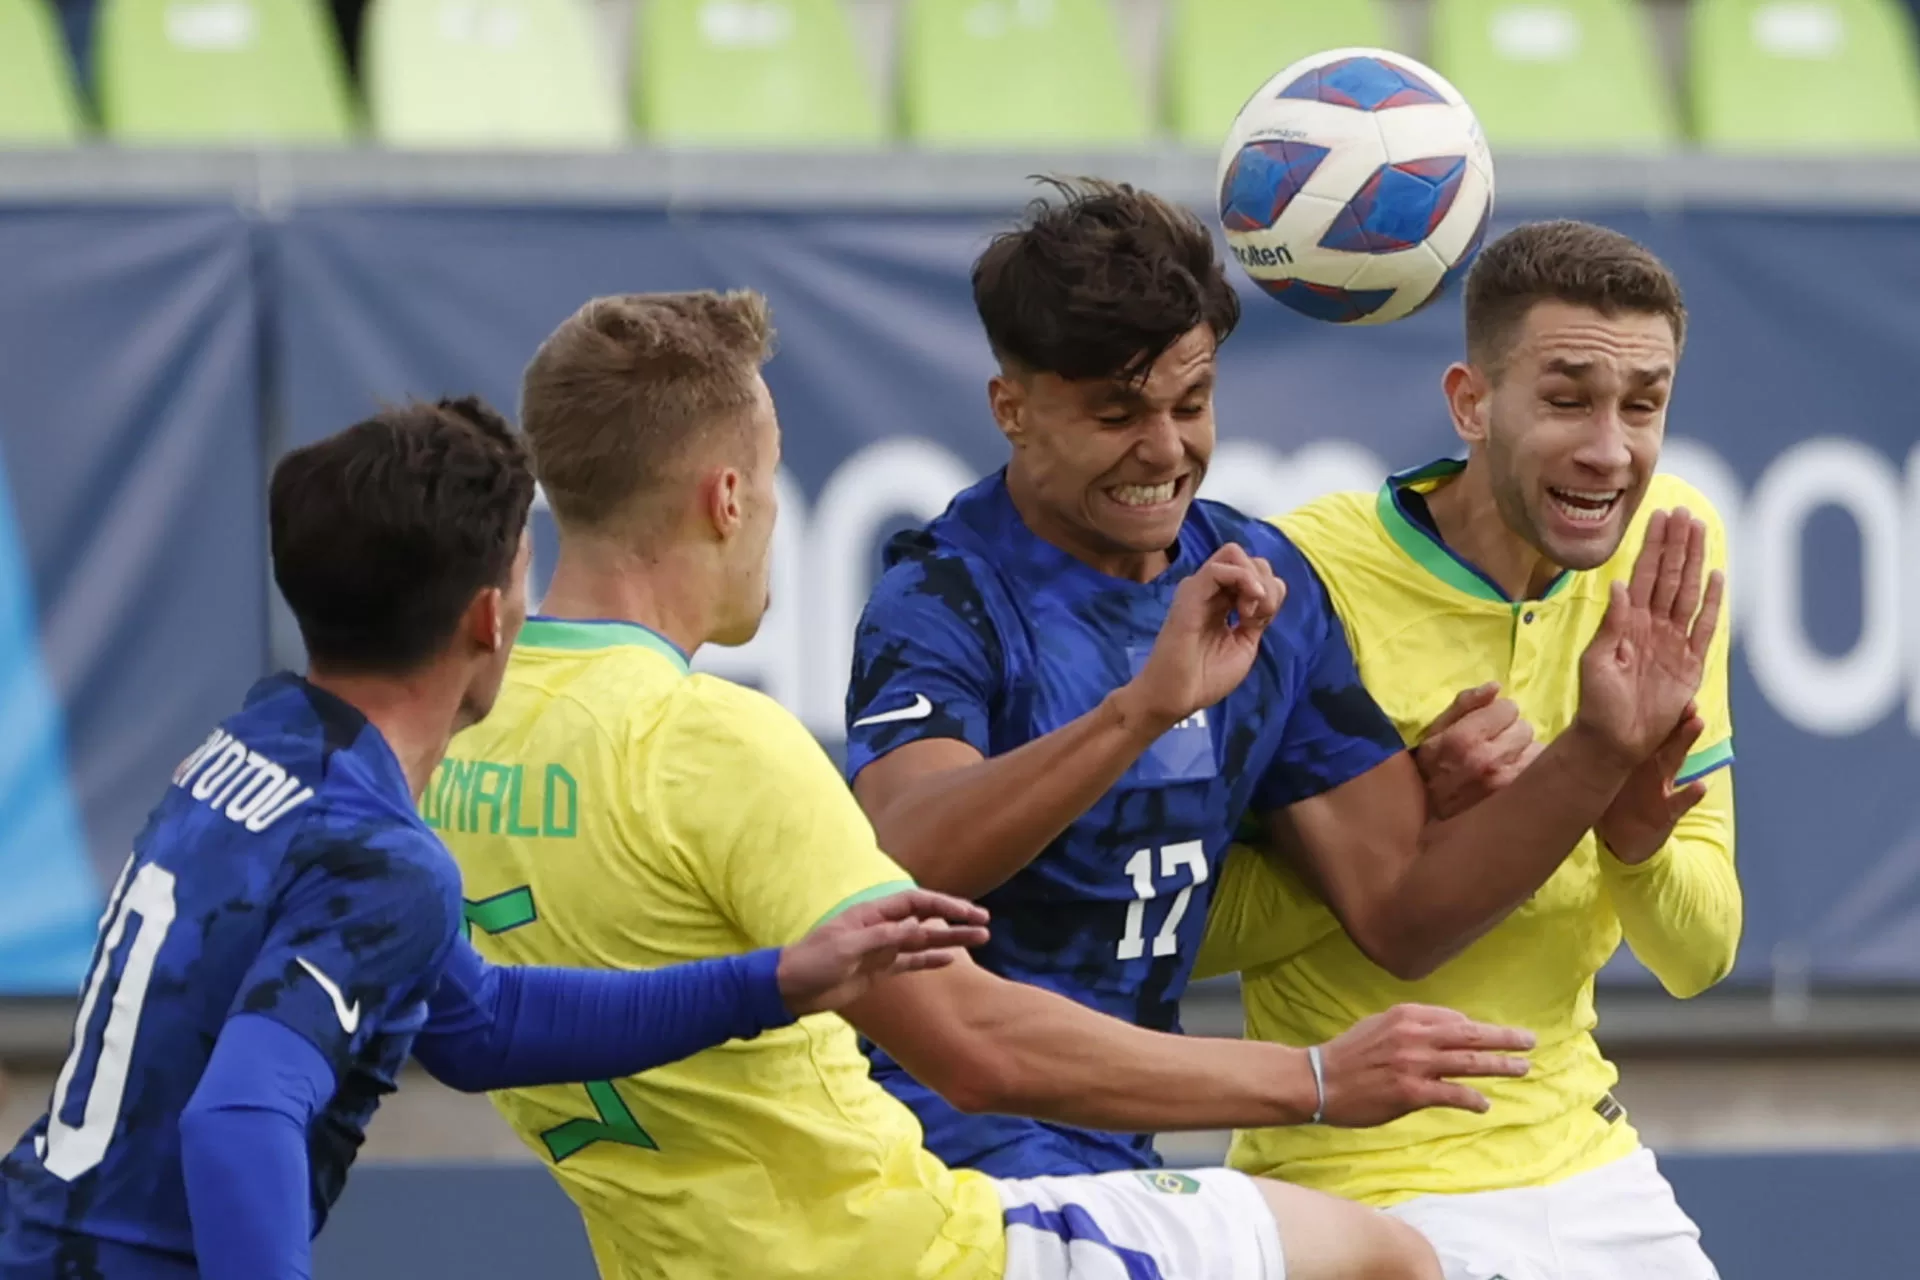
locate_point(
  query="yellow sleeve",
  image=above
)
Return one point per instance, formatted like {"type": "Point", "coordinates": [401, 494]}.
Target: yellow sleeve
{"type": "Point", "coordinates": [1262, 913]}
{"type": "Point", "coordinates": [1681, 909]}
{"type": "Point", "coordinates": [760, 818]}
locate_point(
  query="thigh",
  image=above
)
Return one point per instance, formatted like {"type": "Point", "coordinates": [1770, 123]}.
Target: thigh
{"type": "Point", "coordinates": [1622, 1221]}
{"type": "Point", "coordinates": [1327, 1238]}
{"type": "Point", "coordinates": [1206, 1224]}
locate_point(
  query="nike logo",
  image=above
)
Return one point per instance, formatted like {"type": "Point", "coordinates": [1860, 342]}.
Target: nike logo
{"type": "Point", "coordinates": [349, 1014]}
{"type": "Point", "coordinates": [919, 709]}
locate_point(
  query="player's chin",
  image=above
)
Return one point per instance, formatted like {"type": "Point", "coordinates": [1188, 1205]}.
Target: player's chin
{"type": "Point", "coordinates": [1143, 539]}
{"type": "Point", "coordinates": [1581, 544]}
{"type": "Point", "coordinates": [478, 704]}
{"type": "Point", "coordinates": [1579, 554]}
{"type": "Point", "coordinates": [1144, 527]}
{"type": "Point", "coordinates": [738, 633]}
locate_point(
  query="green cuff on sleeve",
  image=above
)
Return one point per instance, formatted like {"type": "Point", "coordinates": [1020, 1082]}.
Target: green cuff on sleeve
{"type": "Point", "coordinates": [885, 890]}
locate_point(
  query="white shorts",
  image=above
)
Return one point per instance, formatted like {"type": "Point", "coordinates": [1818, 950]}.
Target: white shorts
{"type": "Point", "coordinates": [1617, 1222]}
{"type": "Point", "coordinates": [1196, 1224]}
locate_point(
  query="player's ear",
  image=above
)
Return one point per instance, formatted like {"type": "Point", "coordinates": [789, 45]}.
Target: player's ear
{"type": "Point", "coordinates": [1006, 397]}
{"type": "Point", "coordinates": [487, 619]}
{"type": "Point", "coordinates": [723, 493]}
{"type": "Point", "coordinates": [1469, 396]}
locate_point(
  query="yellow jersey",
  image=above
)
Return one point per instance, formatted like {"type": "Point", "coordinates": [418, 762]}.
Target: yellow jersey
{"type": "Point", "coordinates": [616, 811]}
{"type": "Point", "coordinates": [1424, 625]}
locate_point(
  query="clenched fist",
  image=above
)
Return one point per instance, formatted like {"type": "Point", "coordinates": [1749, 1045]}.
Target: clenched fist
{"type": "Point", "coordinates": [1210, 638]}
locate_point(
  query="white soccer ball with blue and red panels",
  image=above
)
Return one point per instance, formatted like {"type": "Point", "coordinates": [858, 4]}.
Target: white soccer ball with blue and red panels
{"type": "Point", "coordinates": [1355, 186]}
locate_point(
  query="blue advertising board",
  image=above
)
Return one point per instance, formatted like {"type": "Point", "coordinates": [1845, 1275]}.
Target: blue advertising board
{"type": "Point", "coordinates": [131, 542]}
{"type": "Point", "coordinates": [149, 351]}
{"type": "Point", "coordinates": [1790, 413]}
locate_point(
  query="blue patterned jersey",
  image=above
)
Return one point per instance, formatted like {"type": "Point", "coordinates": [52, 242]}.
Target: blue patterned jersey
{"type": "Point", "coordinates": [286, 873]}
{"type": "Point", "coordinates": [980, 631]}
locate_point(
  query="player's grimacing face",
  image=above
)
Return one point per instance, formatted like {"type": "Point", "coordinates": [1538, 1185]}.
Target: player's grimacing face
{"type": "Point", "coordinates": [1116, 464]}
{"type": "Point", "coordinates": [1574, 427]}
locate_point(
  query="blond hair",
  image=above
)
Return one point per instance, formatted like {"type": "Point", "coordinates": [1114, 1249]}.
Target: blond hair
{"type": "Point", "coordinates": [619, 395]}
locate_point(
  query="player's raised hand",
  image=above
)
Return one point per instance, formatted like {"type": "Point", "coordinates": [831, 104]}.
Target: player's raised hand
{"type": "Point", "coordinates": [1211, 636]}
{"type": "Point", "coordinates": [1411, 1057]}
{"type": "Point", "coordinates": [1642, 816]}
{"type": "Point", "coordinates": [914, 929]}
{"type": "Point", "coordinates": [1478, 745]}
{"type": "Point", "coordinates": [1646, 661]}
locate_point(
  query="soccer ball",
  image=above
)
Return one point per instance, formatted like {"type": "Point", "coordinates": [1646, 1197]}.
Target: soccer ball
{"type": "Point", "coordinates": [1355, 186]}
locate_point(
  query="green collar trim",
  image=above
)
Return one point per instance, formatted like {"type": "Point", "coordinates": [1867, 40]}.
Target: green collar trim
{"type": "Point", "coordinates": [599, 633]}
{"type": "Point", "coordinates": [1427, 550]}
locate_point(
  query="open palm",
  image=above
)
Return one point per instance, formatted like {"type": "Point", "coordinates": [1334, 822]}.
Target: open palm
{"type": "Point", "coordinates": [901, 933]}
{"type": "Point", "coordinates": [1646, 661]}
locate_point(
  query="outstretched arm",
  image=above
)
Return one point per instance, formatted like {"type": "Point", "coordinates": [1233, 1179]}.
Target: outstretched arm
{"type": "Point", "coordinates": [504, 1026]}
{"type": "Point", "coordinates": [797, 843]}
{"type": "Point", "coordinates": [990, 1045]}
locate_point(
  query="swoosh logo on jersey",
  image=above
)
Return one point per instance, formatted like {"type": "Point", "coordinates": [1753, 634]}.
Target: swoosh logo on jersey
{"type": "Point", "coordinates": [349, 1014]}
{"type": "Point", "coordinates": [919, 709]}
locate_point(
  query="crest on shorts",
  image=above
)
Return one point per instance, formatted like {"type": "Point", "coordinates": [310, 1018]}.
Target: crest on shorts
{"type": "Point", "coordinates": [1169, 1183]}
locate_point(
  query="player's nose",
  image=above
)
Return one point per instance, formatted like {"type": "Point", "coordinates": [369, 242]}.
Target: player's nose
{"type": "Point", "coordinates": [1604, 447]}
{"type": "Point", "coordinates": [1159, 444]}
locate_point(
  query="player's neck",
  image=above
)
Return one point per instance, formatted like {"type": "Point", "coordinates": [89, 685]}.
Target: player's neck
{"type": "Point", "coordinates": [415, 716]}
{"type": "Point", "coordinates": [1470, 524]}
{"type": "Point", "coordinates": [600, 581]}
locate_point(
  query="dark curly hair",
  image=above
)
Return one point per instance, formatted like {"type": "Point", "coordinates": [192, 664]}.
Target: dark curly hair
{"type": "Point", "coordinates": [383, 533]}
{"type": "Point", "coordinates": [1099, 283]}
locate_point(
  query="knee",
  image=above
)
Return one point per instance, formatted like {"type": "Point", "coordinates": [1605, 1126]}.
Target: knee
{"type": "Point", "coordinates": [1403, 1254]}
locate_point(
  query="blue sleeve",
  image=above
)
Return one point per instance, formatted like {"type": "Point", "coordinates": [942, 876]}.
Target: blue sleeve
{"type": "Point", "coordinates": [926, 662]}
{"type": "Point", "coordinates": [511, 1026]}
{"type": "Point", "coordinates": [1335, 730]}
{"type": "Point", "coordinates": [358, 937]}
{"type": "Point", "coordinates": [243, 1152]}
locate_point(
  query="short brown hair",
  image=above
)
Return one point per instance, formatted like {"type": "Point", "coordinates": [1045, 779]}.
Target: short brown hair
{"type": "Point", "coordinates": [383, 533]}
{"type": "Point", "coordinates": [1099, 283]}
{"type": "Point", "coordinates": [616, 394]}
{"type": "Point", "coordinates": [1565, 261]}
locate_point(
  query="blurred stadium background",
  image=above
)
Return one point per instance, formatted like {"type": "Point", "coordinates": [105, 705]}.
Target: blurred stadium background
{"type": "Point", "coordinates": [228, 225]}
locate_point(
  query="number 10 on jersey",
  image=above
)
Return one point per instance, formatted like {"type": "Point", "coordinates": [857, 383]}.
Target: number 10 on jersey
{"type": "Point", "coordinates": [1168, 860]}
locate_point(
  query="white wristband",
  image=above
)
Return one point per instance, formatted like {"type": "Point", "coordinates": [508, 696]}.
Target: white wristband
{"type": "Point", "coordinates": [1319, 1085]}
